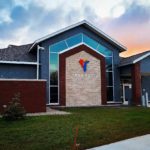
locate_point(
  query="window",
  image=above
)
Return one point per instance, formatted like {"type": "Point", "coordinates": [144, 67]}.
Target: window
{"type": "Point", "coordinates": [109, 77]}
{"type": "Point", "coordinates": [54, 78]}
{"type": "Point", "coordinates": [90, 41]}
{"type": "Point", "coordinates": [109, 63]}
{"type": "Point", "coordinates": [105, 51]}
{"type": "Point", "coordinates": [58, 46]}
{"type": "Point", "coordinates": [109, 93]}
{"type": "Point", "coordinates": [54, 94]}
{"type": "Point", "coordinates": [81, 38]}
{"type": "Point", "coordinates": [53, 61]}
{"type": "Point", "coordinates": [74, 40]}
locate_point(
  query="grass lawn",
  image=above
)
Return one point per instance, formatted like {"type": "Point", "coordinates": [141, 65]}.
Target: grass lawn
{"type": "Point", "coordinates": [97, 126]}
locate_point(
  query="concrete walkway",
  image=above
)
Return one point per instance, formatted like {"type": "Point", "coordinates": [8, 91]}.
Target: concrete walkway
{"type": "Point", "coordinates": [138, 143]}
{"type": "Point", "coordinates": [49, 111]}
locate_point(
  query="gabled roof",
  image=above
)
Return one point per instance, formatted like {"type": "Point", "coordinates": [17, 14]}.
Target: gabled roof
{"type": "Point", "coordinates": [87, 25]}
{"type": "Point", "coordinates": [134, 59]}
{"type": "Point", "coordinates": [17, 53]}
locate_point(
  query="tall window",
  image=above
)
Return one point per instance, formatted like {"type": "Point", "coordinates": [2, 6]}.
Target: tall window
{"type": "Point", "coordinates": [71, 42]}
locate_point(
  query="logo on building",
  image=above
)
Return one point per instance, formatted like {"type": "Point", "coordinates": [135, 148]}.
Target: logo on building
{"type": "Point", "coordinates": [83, 64]}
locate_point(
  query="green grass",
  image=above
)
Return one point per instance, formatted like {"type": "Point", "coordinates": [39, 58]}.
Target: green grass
{"type": "Point", "coordinates": [97, 126]}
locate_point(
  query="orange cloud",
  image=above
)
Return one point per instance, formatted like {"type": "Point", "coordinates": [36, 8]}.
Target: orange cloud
{"type": "Point", "coordinates": [135, 37]}
{"type": "Point", "coordinates": [135, 49]}
{"type": "Point", "coordinates": [132, 29]}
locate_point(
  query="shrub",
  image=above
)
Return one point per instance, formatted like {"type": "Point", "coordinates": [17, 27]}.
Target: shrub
{"type": "Point", "coordinates": [14, 110]}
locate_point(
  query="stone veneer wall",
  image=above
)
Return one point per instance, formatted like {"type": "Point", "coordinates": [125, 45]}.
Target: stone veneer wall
{"type": "Point", "coordinates": [83, 89]}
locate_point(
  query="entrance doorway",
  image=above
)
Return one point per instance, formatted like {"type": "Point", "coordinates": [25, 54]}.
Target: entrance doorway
{"type": "Point", "coordinates": [127, 93]}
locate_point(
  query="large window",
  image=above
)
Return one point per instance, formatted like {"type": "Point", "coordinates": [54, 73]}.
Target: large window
{"type": "Point", "coordinates": [66, 44]}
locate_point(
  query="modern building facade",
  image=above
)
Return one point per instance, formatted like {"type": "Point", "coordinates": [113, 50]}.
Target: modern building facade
{"type": "Point", "coordinates": [80, 66]}
{"type": "Point", "coordinates": [135, 78]}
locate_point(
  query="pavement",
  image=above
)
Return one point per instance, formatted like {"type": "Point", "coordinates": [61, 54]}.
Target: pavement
{"type": "Point", "coordinates": [137, 143]}
{"type": "Point", "coordinates": [49, 111]}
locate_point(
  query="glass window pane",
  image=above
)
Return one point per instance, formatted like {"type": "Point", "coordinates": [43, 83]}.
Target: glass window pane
{"type": "Point", "coordinates": [108, 63]}
{"type": "Point", "coordinates": [108, 52]}
{"type": "Point", "coordinates": [105, 51]}
{"type": "Point", "coordinates": [54, 78]}
{"type": "Point", "coordinates": [74, 40]}
{"type": "Point", "coordinates": [58, 47]}
{"type": "Point", "coordinates": [53, 94]}
{"type": "Point", "coordinates": [109, 78]}
{"type": "Point", "coordinates": [53, 69]}
{"type": "Point", "coordinates": [53, 61]}
{"type": "Point", "coordinates": [109, 93]}
{"type": "Point", "coordinates": [90, 41]}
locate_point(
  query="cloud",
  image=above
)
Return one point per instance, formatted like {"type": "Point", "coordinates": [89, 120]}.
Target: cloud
{"type": "Point", "coordinates": [21, 35]}
{"type": "Point", "coordinates": [132, 28]}
{"type": "Point", "coordinates": [118, 11]}
{"type": "Point", "coordinates": [24, 21]}
{"type": "Point", "coordinates": [136, 14]}
{"type": "Point", "coordinates": [5, 16]}
{"type": "Point", "coordinates": [5, 11]}
{"type": "Point", "coordinates": [39, 20]}
{"type": "Point", "coordinates": [6, 5]}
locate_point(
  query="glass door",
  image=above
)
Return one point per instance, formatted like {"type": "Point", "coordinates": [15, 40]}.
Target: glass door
{"type": "Point", "coordinates": [127, 94]}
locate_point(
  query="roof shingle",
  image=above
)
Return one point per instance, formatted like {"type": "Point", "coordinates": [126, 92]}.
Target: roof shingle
{"type": "Point", "coordinates": [17, 53]}
{"type": "Point", "coordinates": [131, 59]}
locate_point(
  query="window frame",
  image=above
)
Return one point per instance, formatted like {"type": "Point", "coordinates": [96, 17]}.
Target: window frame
{"type": "Point", "coordinates": [68, 48]}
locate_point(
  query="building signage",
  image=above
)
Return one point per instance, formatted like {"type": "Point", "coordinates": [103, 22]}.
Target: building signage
{"type": "Point", "coordinates": [90, 75]}
{"type": "Point", "coordinates": [85, 76]}
{"type": "Point", "coordinates": [83, 64]}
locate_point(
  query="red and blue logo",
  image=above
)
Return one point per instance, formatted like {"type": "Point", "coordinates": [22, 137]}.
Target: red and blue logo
{"type": "Point", "coordinates": [83, 64]}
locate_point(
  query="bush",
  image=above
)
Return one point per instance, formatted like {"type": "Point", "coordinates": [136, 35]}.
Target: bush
{"type": "Point", "coordinates": [14, 110]}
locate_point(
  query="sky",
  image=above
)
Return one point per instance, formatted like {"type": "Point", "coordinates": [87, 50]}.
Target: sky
{"type": "Point", "coordinates": [127, 21]}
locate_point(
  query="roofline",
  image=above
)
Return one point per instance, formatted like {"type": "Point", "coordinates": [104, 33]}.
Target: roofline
{"type": "Point", "coordinates": [125, 64]}
{"type": "Point", "coordinates": [84, 22]}
{"type": "Point", "coordinates": [140, 58]}
{"type": "Point", "coordinates": [136, 60]}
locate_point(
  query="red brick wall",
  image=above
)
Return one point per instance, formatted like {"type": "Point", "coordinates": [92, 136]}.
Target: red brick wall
{"type": "Point", "coordinates": [136, 84]}
{"type": "Point", "coordinates": [62, 72]}
{"type": "Point", "coordinates": [32, 94]}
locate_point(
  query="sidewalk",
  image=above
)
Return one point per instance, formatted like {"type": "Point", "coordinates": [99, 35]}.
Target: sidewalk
{"type": "Point", "coordinates": [49, 111]}
{"type": "Point", "coordinates": [137, 143]}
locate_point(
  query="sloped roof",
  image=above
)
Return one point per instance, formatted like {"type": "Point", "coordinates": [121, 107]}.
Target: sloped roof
{"type": "Point", "coordinates": [17, 53]}
{"type": "Point", "coordinates": [87, 25]}
{"type": "Point", "coordinates": [134, 59]}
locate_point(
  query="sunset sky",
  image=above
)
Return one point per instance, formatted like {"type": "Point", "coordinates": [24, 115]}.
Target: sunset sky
{"type": "Point", "coordinates": [127, 21]}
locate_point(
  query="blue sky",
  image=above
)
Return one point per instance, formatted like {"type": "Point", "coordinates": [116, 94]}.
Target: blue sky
{"type": "Point", "coordinates": [127, 21]}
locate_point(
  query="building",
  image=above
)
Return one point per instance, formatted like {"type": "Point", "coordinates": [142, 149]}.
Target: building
{"type": "Point", "coordinates": [135, 78]}
{"type": "Point", "coordinates": [76, 66]}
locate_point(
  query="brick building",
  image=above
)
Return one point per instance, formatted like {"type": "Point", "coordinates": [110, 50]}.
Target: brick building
{"type": "Point", "coordinates": [76, 66]}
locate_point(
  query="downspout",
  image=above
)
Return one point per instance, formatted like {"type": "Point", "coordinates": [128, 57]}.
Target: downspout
{"type": "Point", "coordinates": [37, 70]}
{"type": "Point", "coordinates": [38, 60]}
